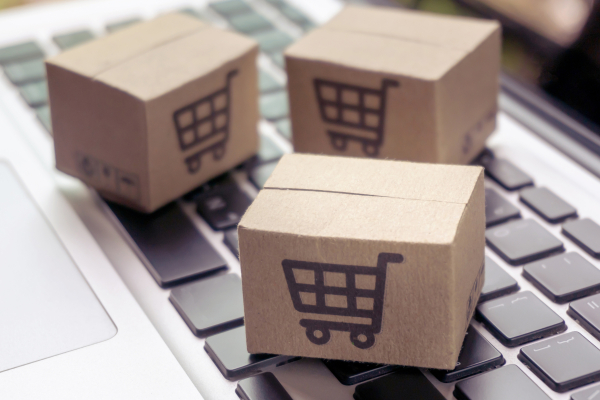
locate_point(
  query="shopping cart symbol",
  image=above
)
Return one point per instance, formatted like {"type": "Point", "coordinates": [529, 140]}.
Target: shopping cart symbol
{"type": "Point", "coordinates": [352, 292]}
{"type": "Point", "coordinates": [204, 125]}
{"type": "Point", "coordinates": [360, 108]}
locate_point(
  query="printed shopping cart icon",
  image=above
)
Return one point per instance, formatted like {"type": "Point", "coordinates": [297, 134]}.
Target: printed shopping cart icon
{"type": "Point", "coordinates": [359, 109]}
{"type": "Point", "coordinates": [204, 125]}
{"type": "Point", "coordinates": [353, 293]}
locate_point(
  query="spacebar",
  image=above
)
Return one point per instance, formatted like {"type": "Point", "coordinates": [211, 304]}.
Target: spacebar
{"type": "Point", "coordinates": [172, 249]}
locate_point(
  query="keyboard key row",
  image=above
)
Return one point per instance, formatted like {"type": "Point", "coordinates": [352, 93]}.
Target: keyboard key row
{"type": "Point", "coordinates": [262, 387]}
{"type": "Point", "coordinates": [547, 204]}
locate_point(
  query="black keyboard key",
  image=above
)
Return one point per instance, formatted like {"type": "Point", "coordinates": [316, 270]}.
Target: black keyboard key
{"type": "Point", "coordinates": [476, 356]}
{"type": "Point", "coordinates": [506, 173]}
{"type": "Point", "coordinates": [228, 351]}
{"type": "Point", "coordinates": [232, 240]}
{"type": "Point", "coordinates": [591, 393]}
{"type": "Point", "coordinates": [223, 206]}
{"type": "Point", "coordinates": [547, 204]}
{"type": "Point", "coordinates": [405, 384]}
{"type": "Point", "coordinates": [19, 52]}
{"type": "Point", "coordinates": [261, 387]}
{"type": "Point", "coordinates": [23, 72]}
{"type": "Point", "coordinates": [564, 362]}
{"type": "Point", "coordinates": [522, 241]}
{"type": "Point", "coordinates": [117, 26]}
{"type": "Point", "coordinates": [564, 277]}
{"type": "Point", "coordinates": [519, 318]}
{"type": "Point", "coordinates": [506, 383]}
{"type": "Point", "coordinates": [210, 306]}
{"type": "Point", "coordinates": [497, 282]}
{"type": "Point", "coordinates": [585, 233]}
{"type": "Point", "coordinates": [498, 209]}
{"type": "Point", "coordinates": [35, 93]}
{"type": "Point", "coordinates": [174, 249]}
{"type": "Point", "coordinates": [587, 313]}
{"type": "Point", "coordinates": [351, 373]}
{"type": "Point", "coordinates": [72, 39]}
{"type": "Point", "coordinates": [230, 7]}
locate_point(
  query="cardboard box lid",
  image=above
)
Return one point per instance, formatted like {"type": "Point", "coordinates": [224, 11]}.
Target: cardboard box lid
{"type": "Point", "coordinates": [363, 199]}
{"type": "Point", "coordinates": [394, 41]}
{"type": "Point", "coordinates": [149, 59]}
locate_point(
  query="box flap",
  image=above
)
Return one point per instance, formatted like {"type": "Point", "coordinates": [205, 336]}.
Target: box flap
{"type": "Point", "coordinates": [403, 42]}
{"type": "Point", "coordinates": [106, 52]}
{"type": "Point", "coordinates": [163, 68]}
{"type": "Point", "coordinates": [454, 32]}
{"type": "Point", "coordinates": [384, 178]}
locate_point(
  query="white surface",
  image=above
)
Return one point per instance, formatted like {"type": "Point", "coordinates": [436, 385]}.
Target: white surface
{"type": "Point", "coordinates": [306, 379]}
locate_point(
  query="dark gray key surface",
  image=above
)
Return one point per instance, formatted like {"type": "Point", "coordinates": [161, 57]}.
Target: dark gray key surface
{"type": "Point", "coordinates": [35, 94]}
{"type": "Point", "coordinates": [72, 39]}
{"type": "Point", "coordinates": [230, 7]}
{"type": "Point", "coordinates": [476, 356]}
{"type": "Point", "coordinates": [210, 306]}
{"type": "Point", "coordinates": [547, 204]}
{"type": "Point", "coordinates": [564, 362]}
{"type": "Point", "coordinates": [223, 206]}
{"type": "Point", "coordinates": [506, 173]}
{"type": "Point", "coordinates": [585, 233]}
{"type": "Point", "coordinates": [23, 72]}
{"type": "Point", "coordinates": [591, 393]}
{"type": "Point", "coordinates": [564, 277]}
{"type": "Point", "coordinates": [261, 387]}
{"type": "Point", "coordinates": [250, 23]}
{"type": "Point", "coordinates": [497, 282]}
{"type": "Point", "coordinates": [175, 249]}
{"type": "Point", "coordinates": [506, 383]}
{"type": "Point", "coordinates": [228, 351]}
{"type": "Point", "coordinates": [519, 318]}
{"type": "Point", "coordinates": [522, 241]}
{"type": "Point", "coordinates": [587, 313]}
{"type": "Point", "coordinates": [116, 26]}
{"type": "Point", "coordinates": [498, 209]}
{"type": "Point", "coordinates": [405, 384]}
{"type": "Point", "coordinates": [259, 174]}
{"type": "Point", "coordinates": [20, 51]}
{"type": "Point", "coordinates": [231, 240]}
{"type": "Point", "coordinates": [268, 150]}
{"type": "Point", "coordinates": [351, 373]}
{"type": "Point", "coordinates": [266, 82]}
{"type": "Point", "coordinates": [296, 16]}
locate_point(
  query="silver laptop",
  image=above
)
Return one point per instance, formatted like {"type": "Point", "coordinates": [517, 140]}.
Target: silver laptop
{"type": "Point", "coordinates": [97, 301]}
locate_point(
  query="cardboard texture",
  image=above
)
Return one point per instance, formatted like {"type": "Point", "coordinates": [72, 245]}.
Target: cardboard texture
{"type": "Point", "coordinates": [363, 260]}
{"type": "Point", "coordinates": [395, 84]}
{"type": "Point", "coordinates": [150, 112]}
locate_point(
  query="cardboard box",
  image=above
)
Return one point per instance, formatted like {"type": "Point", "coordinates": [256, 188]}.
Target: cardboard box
{"type": "Point", "coordinates": [150, 112]}
{"type": "Point", "coordinates": [396, 84]}
{"type": "Point", "coordinates": [363, 260]}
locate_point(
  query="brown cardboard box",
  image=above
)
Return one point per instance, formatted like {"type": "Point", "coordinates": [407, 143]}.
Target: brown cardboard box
{"type": "Point", "coordinates": [150, 112]}
{"type": "Point", "coordinates": [396, 84]}
{"type": "Point", "coordinates": [411, 234]}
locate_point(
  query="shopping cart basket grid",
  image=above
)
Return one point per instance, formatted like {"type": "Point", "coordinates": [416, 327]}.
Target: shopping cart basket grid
{"type": "Point", "coordinates": [204, 126]}
{"type": "Point", "coordinates": [356, 114]}
{"type": "Point", "coordinates": [318, 331]}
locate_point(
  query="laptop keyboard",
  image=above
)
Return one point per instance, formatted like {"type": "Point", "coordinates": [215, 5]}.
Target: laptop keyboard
{"type": "Point", "coordinates": [207, 293]}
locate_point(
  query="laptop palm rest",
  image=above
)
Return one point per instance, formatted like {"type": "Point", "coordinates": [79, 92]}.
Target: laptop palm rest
{"type": "Point", "coordinates": [46, 306]}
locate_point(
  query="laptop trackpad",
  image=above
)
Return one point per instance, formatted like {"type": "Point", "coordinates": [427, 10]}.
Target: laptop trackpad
{"type": "Point", "coordinates": [46, 306]}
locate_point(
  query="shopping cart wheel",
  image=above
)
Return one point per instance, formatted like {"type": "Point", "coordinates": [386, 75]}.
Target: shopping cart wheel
{"type": "Point", "coordinates": [193, 164]}
{"type": "Point", "coordinates": [370, 149]}
{"type": "Point", "coordinates": [339, 142]}
{"type": "Point", "coordinates": [318, 335]}
{"type": "Point", "coordinates": [362, 340]}
{"type": "Point", "coordinates": [219, 152]}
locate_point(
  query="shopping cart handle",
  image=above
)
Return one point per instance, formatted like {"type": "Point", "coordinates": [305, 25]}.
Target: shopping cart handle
{"type": "Point", "coordinates": [386, 258]}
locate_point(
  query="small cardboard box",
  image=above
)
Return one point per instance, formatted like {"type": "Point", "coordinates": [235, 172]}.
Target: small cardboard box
{"type": "Point", "coordinates": [150, 112]}
{"type": "Point", "coordinates": [363, 260]}
{"type": "Point", "coordinates": [395, 84]}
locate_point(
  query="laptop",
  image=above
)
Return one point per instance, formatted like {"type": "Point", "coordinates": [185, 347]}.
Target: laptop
{"type": "Point", "coordinates": [100, 302]}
